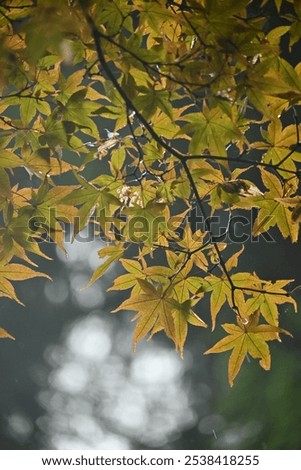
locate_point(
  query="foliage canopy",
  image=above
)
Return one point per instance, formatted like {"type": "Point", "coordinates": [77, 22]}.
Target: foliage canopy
{"type": "Point", "coordinates": [201, 100]}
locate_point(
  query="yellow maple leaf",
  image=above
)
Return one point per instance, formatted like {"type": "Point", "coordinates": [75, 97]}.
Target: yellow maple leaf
{"type": "Point", "coordinates": [243, 339]}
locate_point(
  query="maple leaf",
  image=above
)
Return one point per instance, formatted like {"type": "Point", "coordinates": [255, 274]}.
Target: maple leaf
{"type": "Point", "coordinates": [280, 142]}
{"type": "Point", "coordinates": [183, 284]}
{"type": "Point", "coordinates": [157, 310]}
{"type": "Point", "coordinates": [145, 224]}
{"type": "Point", "coordinates": [152, 307]}
{"type": "Point", "coordinates": [129, 280]}
{"type": "Point", "coordinates": [268, 300]}
{"type": "Point", "coordinates": [18, 239]}
{"type": "Point", "coordinates": [222, 291]}
{"type": "Point", "coordinates": [249, 338]}
{"type": "Point", "coordinates": [212, 129]}
{"type": "Point", "coordinates": [295, 203]}
{"type": "Point", "coordinates": [113, 253]}
{"type": "Point", "coordinates": [15, 272]}
{"type": "Point", "coordinates": [5, 334]}
{"type": "Point", "coordinates": [272, 212]}
{"type": "Point", "coordinates": [40, 166]}
{"type": "Point", "coordinates": [90, 198]}
{"type": "Point", "coordinates": [193, 243]}
{"type": "Point", "coordinates": [182, 316]}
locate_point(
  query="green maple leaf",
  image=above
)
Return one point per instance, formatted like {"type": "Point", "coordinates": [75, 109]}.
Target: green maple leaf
{"type": "Point", "coordinates": [212, 130]}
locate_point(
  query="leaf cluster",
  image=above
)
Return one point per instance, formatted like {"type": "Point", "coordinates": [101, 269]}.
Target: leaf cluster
{"type": "Point", "coordinates": [201, 100]}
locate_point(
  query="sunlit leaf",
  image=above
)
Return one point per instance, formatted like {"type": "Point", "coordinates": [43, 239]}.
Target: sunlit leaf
{"type": "Point", "coordinates": [5, 334]}
{"type": "Point", "coordinates": [250, 338]}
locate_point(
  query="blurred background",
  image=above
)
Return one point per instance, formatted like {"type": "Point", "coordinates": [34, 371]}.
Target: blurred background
{"type": "Point", "coordinates": [72, 381]}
